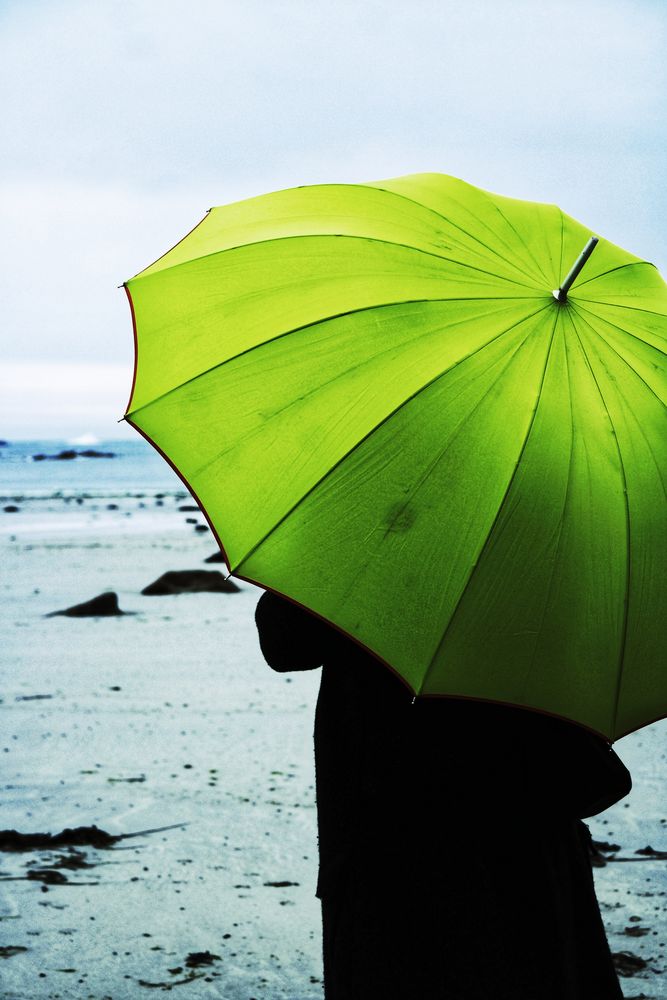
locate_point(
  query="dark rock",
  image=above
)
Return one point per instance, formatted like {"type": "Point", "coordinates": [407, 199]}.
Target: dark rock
{"type": "Point", "coordinates": [202, 527]}
{"type": "Point", "coordinates": [79, 836]}
{"type": "Point", "coordinates": [190, 581]}
{"type": "Point", "coordinates": [74, 861]}
{"type": "Point", "coordinates": [651, 852]}
{"type": "Point", "coordinates": [280, 885]}
{"type": "Point", "coordinates": [191, 520]}
{"type": "Point", "coordinates": [49, 876]}
{"type": "Point", "coordinates": [215, 558]}
{"type": "Point", "coordinates": [4, 444]}
{"type": "Point", "coordinates": [188, 507]}
{"type": "Point", "coordinates": [197, 958]}
{"type": "Point", "coordinates": [627, 964]}
{"type": "Point", "coordinates": [605, 846]}
{"type": "Point", "coordinates": [11, 508]}
{"type": "Point", "coordinates": [102, 606]}
{"type": "Point", "coordinates": [9, 950]}
{"type": "Point", "coordinates": [69, 453]}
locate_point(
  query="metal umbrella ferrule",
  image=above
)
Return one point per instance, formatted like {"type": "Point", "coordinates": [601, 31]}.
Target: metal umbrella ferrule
{"type": "Point", "coordinates": [560, 294]}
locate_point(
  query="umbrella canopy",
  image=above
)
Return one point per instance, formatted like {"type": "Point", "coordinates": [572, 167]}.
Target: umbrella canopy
{"type": "Point", "coordinates": [390, 415]}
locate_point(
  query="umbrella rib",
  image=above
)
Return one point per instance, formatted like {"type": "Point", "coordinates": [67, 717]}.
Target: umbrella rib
{"type": "Point", "coordinates": [579, 310]}
{"type": "Point", "coordinates": [450, 222]}
{"type": "Point", "coordinates": [307, 326]}
{"type": "Point", "coordinates": [520, 239]}
{"type": "Point", "coordinates": [628, 550]}
{"type": "Point", "coordinates": [334, 236]}
{"type": "Point", "coordinates": [497, 516]}
{"type": "Point", "coordinates": [176, 244]}
{"type": "Point", "coordinates": [561, 524]}
{"type": "Point", "coordinates": [644, 382]}
{"type": "Point", "coordinates": [309, 392]}
{"type": "Point", "coordinates": [619, 305]}
{"type": "Point", "coordinates": [376, 427]}
{"type": "Point", "coordinates": [619, 267]}
{"type": "Point", "coordinates": [583, 305]}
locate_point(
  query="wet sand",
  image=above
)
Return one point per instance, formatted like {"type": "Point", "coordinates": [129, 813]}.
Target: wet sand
{"type": "Point", "coordinates": [169, 716]}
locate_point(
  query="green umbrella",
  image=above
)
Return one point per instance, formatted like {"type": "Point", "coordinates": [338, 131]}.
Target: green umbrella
{"type": "Point", "coordinates": [395, 411]}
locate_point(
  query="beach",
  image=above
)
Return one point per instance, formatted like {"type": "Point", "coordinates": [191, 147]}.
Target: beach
{"type": "Point", "coordinates": [167, 716]}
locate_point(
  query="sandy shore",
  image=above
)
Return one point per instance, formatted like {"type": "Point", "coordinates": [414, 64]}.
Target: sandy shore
{"type": "Point", "coordinates": [170, 716]}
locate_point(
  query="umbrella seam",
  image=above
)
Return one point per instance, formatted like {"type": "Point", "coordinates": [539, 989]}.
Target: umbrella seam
{"type": "Point", "coordinates": [366, 436]}
{"type": "Point", "coordinates": [561, 521]}
{"type": "Point", "coordinates": [176, 244]}
{"type": "Point", "coordinates": [388, 350]}
{"type": "Point", "coordinates": [136, 347]}
{"type": "Point", "coordinates": [314, 323]}
{"type": "Point", "coordinates": [187, 485]}
{"type": "Point", "coordinates": [497, 515]}
{"type": "Point", "coordinates": [648, 387]}
{"type": "Point", "coordinates": [616, 305]}
{"type": "Point", "coordinates": [581, 309]}
{"type": "Point", "coordinates": [336, 236]}
{"type": "Point", "coordinates": [367, 186]}
{"type": "Point", "coordinates": [434, 462]}
{"type": "Point", "coordinates": [449, 221]}
{"type": "Point", "coordinates": [521, 240]}
{"type": "Point", "coordinates": [628, 558]}
{"type": "Point", "coordinates": [619, 267]}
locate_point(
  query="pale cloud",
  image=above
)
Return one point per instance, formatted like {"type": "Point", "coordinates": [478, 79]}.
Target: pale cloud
{"type": "Point", "coordinates": [63, 399]}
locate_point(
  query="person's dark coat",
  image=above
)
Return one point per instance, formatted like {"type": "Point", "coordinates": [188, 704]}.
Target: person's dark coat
{"type": "Point", "coordinates": [453, 862]}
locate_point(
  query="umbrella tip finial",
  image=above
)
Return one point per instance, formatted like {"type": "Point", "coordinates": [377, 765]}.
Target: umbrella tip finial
{"type": "Point", "coordinates": [560, 294]}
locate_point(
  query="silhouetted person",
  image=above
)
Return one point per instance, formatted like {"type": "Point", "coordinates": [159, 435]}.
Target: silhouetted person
{"type": "Point", "coordinates": [453, 862]}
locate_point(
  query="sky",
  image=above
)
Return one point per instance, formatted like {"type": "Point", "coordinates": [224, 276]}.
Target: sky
{"type": "Point", "coordinates": [123, 122]}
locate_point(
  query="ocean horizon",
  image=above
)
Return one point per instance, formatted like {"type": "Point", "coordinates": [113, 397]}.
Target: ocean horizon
{"type": "Point", "coordinates": [135, 465]}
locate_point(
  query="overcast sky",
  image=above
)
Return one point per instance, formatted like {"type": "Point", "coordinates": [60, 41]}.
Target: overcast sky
{"type": "Point", "coordinates": [124, 120]}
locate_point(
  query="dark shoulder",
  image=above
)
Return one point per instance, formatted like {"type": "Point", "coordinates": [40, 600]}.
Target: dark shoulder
{"type": "Point", "coordinates": [292, 638]}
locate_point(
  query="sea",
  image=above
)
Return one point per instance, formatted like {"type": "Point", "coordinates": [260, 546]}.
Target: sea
{"type": "Point", "coordinates": [134, 468]}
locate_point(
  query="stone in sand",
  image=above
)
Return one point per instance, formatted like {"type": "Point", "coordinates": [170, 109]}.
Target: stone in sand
{"type": "Point", "coordinates": [190, 581]}
{"type": "Point", "coordinates": [9, 950]}
{"type": "Point", "coordinates": [197, 958]}
{"type": "Point", "coordinates": [102, 606]}
{"type": "Point", "coordinates": [89, 836]}
{"type": "Point", "coordinates": [627, 964]}
{"type": "Point", "coordinates": [215, 558]}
